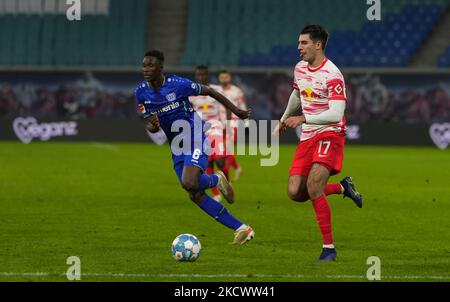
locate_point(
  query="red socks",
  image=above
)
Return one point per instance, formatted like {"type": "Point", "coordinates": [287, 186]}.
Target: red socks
{"type": "Point", "coordinates": [231, 162]}
{"type": "Point", "coordinates": [323, 215]}
{"type": "Point", "coordinates": [209, 170]}
{"type": "Point", "coordinates": [226, 171]}
{"type": "Point", "coordinates": [335, 188]}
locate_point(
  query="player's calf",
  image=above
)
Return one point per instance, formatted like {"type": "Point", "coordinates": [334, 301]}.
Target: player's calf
{"type": "Point", "coordinates": [317, 179]}
{"type": "Point", "coordinates": [216, 210]}
{"type": "Point", "coordinates": [193, 179]}
{"type": "Point", "coordinates": [315, 190]}
{"type": "Point", "coordinates": [197, 197]}
{"type": "Point", "coordinates": [314, 187]}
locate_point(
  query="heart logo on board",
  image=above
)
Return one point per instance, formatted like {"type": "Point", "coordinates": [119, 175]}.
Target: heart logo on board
{"type": "Point", "coordinates": [440, 135]}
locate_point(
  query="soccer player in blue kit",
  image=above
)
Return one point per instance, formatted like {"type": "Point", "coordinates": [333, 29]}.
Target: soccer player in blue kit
{"type": "Point", "coordinates": [163, 102]}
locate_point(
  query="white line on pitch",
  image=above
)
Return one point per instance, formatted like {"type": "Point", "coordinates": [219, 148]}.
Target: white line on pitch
{"type": "Point", "coordinates": [143, 275]}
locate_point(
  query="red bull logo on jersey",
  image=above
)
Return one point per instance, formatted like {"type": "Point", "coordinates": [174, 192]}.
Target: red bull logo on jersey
{"type": "Point", "coordinates": [308, 94]}
{"type": "Point", "coordinates": [206, 107]}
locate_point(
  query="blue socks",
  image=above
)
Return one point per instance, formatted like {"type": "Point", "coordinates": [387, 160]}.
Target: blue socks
{"type": "Point", "coordinates": [216, 210]}
{"type": "Point", "coordinates": [207, 181]}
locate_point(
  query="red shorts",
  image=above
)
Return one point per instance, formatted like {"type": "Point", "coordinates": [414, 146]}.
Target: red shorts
{"type": "Point", "coordinates": [326, 148]}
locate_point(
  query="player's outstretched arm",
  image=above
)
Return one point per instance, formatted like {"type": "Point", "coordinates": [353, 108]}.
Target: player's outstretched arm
{"type": "Point", "coordinates": [242, 114]}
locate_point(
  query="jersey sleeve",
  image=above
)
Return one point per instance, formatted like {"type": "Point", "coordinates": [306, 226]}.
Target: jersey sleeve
{"type": "Point", "coordinates": [188, 88]}
{"type": "Point", "coordinates": [294, 81]}
{"type": "Point", "coordinates": [140, 104]}
{"type": "Point", "coordinates": [242, 104]}
{"type": "Point", "coordinates": [336, 87]}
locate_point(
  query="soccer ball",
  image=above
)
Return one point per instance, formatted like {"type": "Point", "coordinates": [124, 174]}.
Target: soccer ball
{"type": "Point", "coordinates": [186, 247]}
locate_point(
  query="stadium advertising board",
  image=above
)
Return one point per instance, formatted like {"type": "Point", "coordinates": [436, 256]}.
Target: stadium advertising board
{"type": "Point", "coordinates": [29, 129]}
{"type": "Point", "coordinates": [382, 108]}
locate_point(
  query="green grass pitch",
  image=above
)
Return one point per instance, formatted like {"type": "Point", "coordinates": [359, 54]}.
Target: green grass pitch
{"type": "Point", "coordinates": [119, 206]}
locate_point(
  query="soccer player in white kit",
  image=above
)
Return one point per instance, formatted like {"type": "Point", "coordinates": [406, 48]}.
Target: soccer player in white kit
{"type": "Point", "coordinates": [216, 115]}
{"type": "Point", "coordinates": [319, 89]}
{"type": "Point", "coordinates": [236, 96]}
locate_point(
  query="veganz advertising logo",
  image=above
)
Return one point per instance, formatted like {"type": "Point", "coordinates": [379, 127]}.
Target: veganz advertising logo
{"type": "Point", "coordinates": [28, 128]}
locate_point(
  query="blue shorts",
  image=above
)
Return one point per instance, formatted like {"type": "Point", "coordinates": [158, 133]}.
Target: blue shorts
{"type": "Point", "coordinates": [198, 157]}
{"type": "Point", "coordinates": [179, 161]}
{"type": "Point", "coordinates": [194, 154]}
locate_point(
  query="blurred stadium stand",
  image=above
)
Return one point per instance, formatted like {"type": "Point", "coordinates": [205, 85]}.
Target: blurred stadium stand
{"type": "Point", "coordinates": [51, 68]}
{"type": "Point", "coordinates": [222, 33]}
{"type": "Point", "coordinates": [444, 60]}
{"type": "Point", "coordinates": [169, 34]}
{"type": "Point", "coordinates": [113, 32]}
{"type": "Point", "coordinates": [258, 33]}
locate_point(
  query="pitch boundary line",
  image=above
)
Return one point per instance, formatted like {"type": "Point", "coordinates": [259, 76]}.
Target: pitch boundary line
{"type": "Point", "coordinates": [212, 276]}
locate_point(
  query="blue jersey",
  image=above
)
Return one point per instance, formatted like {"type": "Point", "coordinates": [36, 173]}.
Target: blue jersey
{"type": "Point", "coordinates": [170, 101]}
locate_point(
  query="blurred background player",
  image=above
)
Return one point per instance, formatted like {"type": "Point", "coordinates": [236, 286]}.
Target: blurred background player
{"type": "Point", "coordinates": [319, 89]}
{"type": "Point", "coordinates": [162, 101]}
{"type": "Point", "coordinates": [214, 113]}
{"type": "Point", "coordinates": [236, 96]}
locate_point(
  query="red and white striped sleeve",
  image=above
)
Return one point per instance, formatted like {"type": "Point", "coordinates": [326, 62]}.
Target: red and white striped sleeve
{"type": "Point", "coordinates": [336, 87]}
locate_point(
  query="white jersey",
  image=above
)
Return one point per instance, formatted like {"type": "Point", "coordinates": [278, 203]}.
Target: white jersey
{"type": "Point", "coordinates": [317, 87]}
{"type": "Point", "coordinates": [209, 109]}
{"type": "Point", "coordinates": [236, 96]}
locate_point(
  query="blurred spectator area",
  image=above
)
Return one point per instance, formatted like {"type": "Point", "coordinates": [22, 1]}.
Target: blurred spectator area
{"type": "Point", "coordinates": [383, 97]}
{"type": "Point", "coordinates": [71, 97]}
{"type": "Point", "coordinates": [37, 32]}
{"type": "Point", "coordinates": [265, 32]}
{"type": "Point", "coordinates": [244, 33]}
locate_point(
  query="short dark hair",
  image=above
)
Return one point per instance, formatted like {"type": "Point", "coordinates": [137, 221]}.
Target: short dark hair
{"type": "Point", "coordinates": [224, 71]}
{"type": "Point", "coordinates": [156, 54]}
{"type": "Point", "coordinates": [202, 67]}
{"type": "Point", "coordinates": [317, 33]}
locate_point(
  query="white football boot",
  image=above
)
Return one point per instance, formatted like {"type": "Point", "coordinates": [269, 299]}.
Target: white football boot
{"type": "Point", "coordinates": [244, 234]}
{"type": "Point", "coordinates": [225, 187]}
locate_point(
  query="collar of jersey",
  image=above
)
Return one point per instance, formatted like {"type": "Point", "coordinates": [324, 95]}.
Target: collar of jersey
{"type": "Point", "coordinates": [150, 86]}
{"type": "Point", "coordinates": [320, 66]}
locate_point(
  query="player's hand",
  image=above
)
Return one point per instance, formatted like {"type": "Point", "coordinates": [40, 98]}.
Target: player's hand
{"type": "Point", "coordinates": [243, 114]}
{"type": "Point", "coordinates": [153, 123]}
{"type": "Point", "coordinates": [280, 128]}
{"type": "Point", "coordinates": [295, 121]}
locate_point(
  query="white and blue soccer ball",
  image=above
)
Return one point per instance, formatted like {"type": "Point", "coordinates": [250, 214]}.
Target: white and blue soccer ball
{"type": "Point", "coordinates": [186, 247]}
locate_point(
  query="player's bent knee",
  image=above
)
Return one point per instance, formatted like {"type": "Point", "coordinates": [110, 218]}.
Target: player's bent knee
{"type": "Point", "coordinates": [302, 198]}
{"type": "Point", "coordinates": [189, 185]}
{"type": "Point", "coordinates": [297, 196]}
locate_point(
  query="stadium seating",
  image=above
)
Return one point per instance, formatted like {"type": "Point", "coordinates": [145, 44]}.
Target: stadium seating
{"type": "Point", "coordinates": [261, 33]}
{"type": "Point", "coordinates": [116, 38]}
{"type": "Point", "coordinates": [444, 60]}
